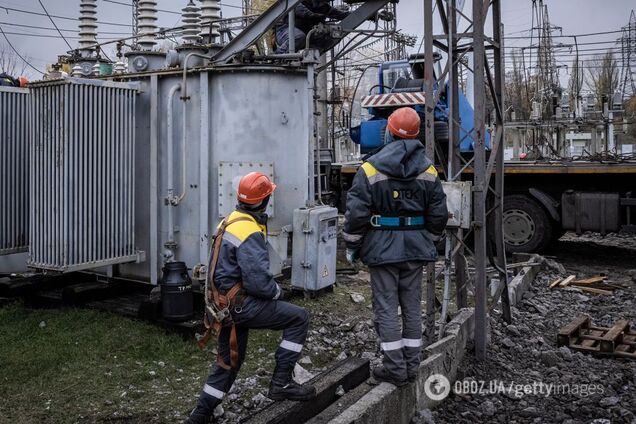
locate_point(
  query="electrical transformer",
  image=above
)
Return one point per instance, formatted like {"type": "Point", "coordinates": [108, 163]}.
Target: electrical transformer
{"type": "Point", "coordinates": [314, 254]}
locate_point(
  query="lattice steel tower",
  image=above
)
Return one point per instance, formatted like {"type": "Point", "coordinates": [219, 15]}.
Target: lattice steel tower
{"type": "Point", "coordinates": [628, 56]}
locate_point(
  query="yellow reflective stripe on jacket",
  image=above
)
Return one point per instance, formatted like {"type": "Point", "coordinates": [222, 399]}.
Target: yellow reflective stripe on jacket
{"type": "Point", "coordinates": [373, 175]}
{"type": "Point", "coordinates": [369, 169]}
{"type": "Point", "coordinates": [431, 170]}
{"type": "Point", "coordinates": [241, 230]}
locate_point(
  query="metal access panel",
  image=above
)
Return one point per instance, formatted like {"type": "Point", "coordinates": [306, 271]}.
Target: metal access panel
{"type": "Point", "coordinates": [458, 202]}
{"type": "Point", "coordinates": [314, 247]}
{"type": "Point", "coordinates": [14, 163]}
{"type": "Point", "coordinates": [82, 175]}
{"type": "Point", "coordinates": [229, 175]}
{"type": "Point", "coordinates": [590, 211]}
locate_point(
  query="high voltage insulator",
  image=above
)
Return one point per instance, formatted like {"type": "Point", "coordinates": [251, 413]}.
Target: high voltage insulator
{"type": "Point", "coordinates": [191, 18]}
{"type": "Point", "coordinates": [147, 24]}
{"type": "Point", "coordinates": [88, 26]}
{"type": "Point", "coordinates": [210, 14]}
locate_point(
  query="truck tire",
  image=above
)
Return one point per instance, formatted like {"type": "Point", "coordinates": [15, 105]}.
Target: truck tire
{"type": "Point", "coordinates": [527, 227]}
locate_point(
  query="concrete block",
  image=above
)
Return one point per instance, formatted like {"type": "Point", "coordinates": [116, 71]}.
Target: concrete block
{"type": "Point", "coordinates": [348, 373]}
{"type": "Point", "coordinates": [520, 283]}
{"type": "Point", "coordinates": [385, 404]}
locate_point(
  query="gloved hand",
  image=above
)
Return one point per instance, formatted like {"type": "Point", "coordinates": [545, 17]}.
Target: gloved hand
{"type": "Point", "coordinates": [283, 294]}
{"type": "Point", "coordinates": [352, 256]}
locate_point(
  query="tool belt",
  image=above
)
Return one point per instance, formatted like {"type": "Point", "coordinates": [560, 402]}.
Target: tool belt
{"type": "Point", "coordinates": [379, 222]}
{"type": "Point", "coordinates": [218, 306]}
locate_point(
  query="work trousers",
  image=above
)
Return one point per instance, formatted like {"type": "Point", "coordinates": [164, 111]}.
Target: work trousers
{"type": "Point", "coordinates": [273, 315]}
{"type": "Point", "coordinates": [300, 38]}
{"type": "Point", "coordinates": [394, 285]}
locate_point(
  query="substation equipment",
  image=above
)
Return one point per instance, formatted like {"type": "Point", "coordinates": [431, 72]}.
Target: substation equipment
{"type": "Point", "coordinates": [118, 172]}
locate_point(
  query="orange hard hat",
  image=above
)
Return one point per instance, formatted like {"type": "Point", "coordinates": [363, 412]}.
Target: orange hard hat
{"type": "Point", "coordinates": [23, 81]}
{"type": "Point", "coordinates": [404, 123]}
{"type": "Point", "coordinates": [254, 187]}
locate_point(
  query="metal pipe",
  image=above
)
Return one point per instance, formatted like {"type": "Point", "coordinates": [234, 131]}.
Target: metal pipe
{"type": "Point", "coordinates": [204, 161]}
{"type": "Point", "coordinates": [170, 171]}
{"type": "Point", "coordinates": [311, 196]}
{"type": "Point", "coordinates": [184, 89]}
{"type": "Point", "coordinates": [184, 131]}
{"type": "Point", "coordinates": [291, 33]}
{"type": "Point", "coordinates": [308, 37]}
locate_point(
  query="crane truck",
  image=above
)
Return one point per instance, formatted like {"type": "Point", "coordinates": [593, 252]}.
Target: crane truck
{"type": "Point", "coordinates": [543, 198]}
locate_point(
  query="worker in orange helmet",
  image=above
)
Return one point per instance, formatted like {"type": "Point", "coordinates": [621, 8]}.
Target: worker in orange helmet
{"type": "Point", "coordinates": [24, 81]}
{"type": "Point", "coordinates": [241, 294]}
{"type": "Point", "coordinates": [396, 210]}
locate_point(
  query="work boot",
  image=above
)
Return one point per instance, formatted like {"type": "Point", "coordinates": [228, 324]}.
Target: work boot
{"type": "Point", "coordinates": [411, 376]}
{"type": "Point", "coordinates": [382, 374]}
{"type": "Point", "coordinates": [198, 416]}
{"type": "Point", "coordinates": [284, 387]}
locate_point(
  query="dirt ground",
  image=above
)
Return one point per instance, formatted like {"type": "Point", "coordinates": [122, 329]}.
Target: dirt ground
{"type": "Point", "coordinates": [591, 389]}
{"type": "Point", "coordinates": [102, 372]}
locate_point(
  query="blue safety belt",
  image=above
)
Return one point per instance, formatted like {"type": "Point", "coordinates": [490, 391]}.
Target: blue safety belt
{"type": "Point", "coordinates": [396, 222]}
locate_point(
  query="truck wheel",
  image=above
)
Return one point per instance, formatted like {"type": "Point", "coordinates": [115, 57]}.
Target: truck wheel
{"type": "Point", "coordinates": [527, 227]}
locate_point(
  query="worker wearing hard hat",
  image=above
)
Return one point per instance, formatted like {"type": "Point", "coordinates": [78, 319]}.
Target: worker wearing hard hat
{"type": "Point", "coordinates": [241, 294]}
{"type": "Point", "coordinates": [396, 209]}
{"type": "Point", "coordinates": [307, 15]}
{"type": "Point", "coordinates": [8, 81]}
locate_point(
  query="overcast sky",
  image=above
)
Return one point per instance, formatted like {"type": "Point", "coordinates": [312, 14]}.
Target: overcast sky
{"type": "Point", "coordinates": [575, 17]}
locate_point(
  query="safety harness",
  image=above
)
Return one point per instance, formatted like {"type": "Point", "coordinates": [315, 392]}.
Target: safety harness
{"type": "Point", "coordinates": [217, 306]}
{"type": "Point", "coordinates": [379, 222]}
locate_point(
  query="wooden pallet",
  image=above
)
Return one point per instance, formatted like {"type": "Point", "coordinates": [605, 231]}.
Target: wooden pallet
{"type": "Point", "coordinates": [581, 335]}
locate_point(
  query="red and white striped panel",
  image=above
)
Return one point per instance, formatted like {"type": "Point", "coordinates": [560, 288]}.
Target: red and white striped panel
{"type": "Point", "coordinates": [393, 99]}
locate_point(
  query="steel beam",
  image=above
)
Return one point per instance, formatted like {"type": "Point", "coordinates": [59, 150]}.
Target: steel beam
{"type": "Point", "coordinates": [499, 91]}
{"type": "Point", "coordinates": [454, 162]}
{"type": "Point", "coordinates": [429, 135]}
{"type": "Point", "coordinates": [479, 198]}
{"type": "Point", "coordinates": [255, 30]}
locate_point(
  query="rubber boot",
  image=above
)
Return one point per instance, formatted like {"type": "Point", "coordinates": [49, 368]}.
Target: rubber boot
{"type": "Point", "coordinates": [284, 387]}
{"type": "Point", "coordinates": [382, 374]}
{"type": "Point", "coordinates": [204, 411]}
{"type": "Point", "coordinates": [198, 416]}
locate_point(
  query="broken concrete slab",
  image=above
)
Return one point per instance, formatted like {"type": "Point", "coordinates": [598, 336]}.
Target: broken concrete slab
{"type": "Point", "coordinates": [349, 374]}
{"type": "Point", "coordinates": [520, 283]}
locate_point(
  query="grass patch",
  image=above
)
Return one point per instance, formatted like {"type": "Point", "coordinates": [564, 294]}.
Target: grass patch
{"type": "Point", "coordinates": [88, 366]}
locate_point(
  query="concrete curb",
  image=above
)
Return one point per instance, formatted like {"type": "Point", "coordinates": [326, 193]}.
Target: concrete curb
{"type": "Point", "coordinates": [389, 404]}
{"type": "Point", "coordinates": [518, 285]}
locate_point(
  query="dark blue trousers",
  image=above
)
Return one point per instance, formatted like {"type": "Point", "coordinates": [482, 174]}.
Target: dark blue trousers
{"type": "Point", "coordinates": [260, 314]}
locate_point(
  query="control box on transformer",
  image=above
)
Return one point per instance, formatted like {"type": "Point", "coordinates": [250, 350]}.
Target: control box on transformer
{"type": "Point", "coordinates": [314, 254]}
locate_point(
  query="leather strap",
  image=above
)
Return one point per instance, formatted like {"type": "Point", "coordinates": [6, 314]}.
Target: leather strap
{"type": "Point", "coordinates": [221, 301]}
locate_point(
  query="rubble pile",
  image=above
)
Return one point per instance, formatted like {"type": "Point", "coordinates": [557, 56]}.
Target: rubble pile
{"type": "Point", "coordinates": [591, 389]}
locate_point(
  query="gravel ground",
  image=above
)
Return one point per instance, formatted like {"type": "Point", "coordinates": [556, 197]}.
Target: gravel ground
{"type": "Point", "coordinates": [600, 390]}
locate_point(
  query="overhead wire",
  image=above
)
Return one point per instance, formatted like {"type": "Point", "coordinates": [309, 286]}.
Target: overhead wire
{"type": "Point", "coordinates": [18, 53]}
{"type": "Point", "coordinates": [54, 24]}
{"type": "Point", "coordinates": [31, 12]}
{"type": "Point", "coordinates": [61, 29]}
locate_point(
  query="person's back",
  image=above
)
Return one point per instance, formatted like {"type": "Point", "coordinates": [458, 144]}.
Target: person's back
{"type": "Point", "coordinates": [396, 209]}
{"type": "Point", "coordinates": [402, 183]}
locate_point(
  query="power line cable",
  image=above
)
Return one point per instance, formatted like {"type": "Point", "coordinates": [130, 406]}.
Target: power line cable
{"type": "Point", "coordinates": [17, 53]}
{"type": "Point", "coordinates": [589, 34]}
{"type": "Point", "coordinates": [30, 12]}
{"type": "Point", "coordinates": [169, 11]}
{"type": "Point", "coordinates": [53, 22]}
{"type": "Point", "coordinates": [61, 29]}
